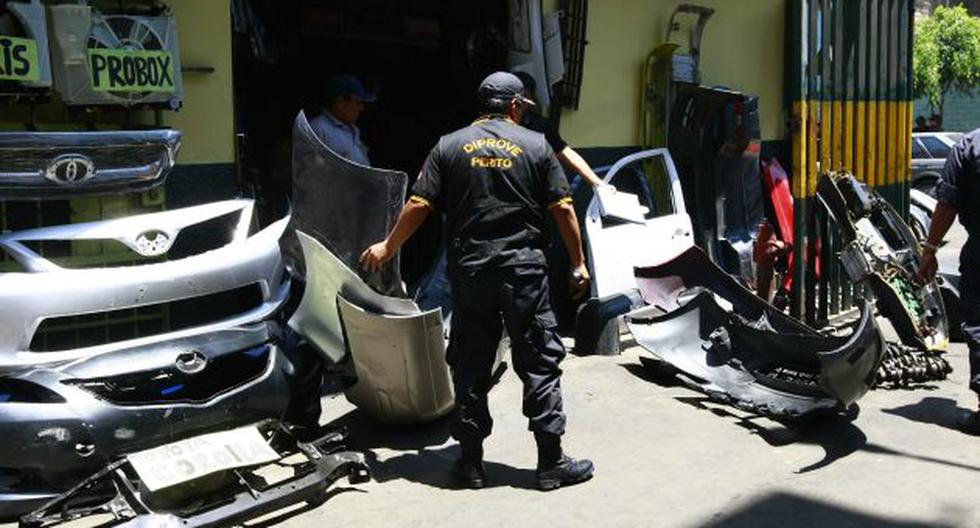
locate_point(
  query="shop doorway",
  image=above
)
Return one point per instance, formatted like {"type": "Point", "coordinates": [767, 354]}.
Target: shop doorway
{"type": "Point", "coordinates": [424, 60]}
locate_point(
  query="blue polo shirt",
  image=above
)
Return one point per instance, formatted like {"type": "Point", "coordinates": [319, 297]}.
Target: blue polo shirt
{"type": "Point", "coordinates": [342, 138]}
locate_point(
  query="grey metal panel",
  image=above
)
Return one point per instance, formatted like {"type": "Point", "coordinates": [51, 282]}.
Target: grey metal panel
{"type": "Point", "coordinates": [739, 348]}
{"type": "Point", "coordinates": [107, 162]}
{"type": "Point", "coordinates": [757, 368]}
{"type": "Point", "coordinates": [402, 374]}
{"type": "Point", "coordinates": [345, 206]}
{"type": "Point", "coordinates": [317, 317]}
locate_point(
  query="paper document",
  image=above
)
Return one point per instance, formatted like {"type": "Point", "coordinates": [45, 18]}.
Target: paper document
{"type": "Point", "coordinates": [621, 205]}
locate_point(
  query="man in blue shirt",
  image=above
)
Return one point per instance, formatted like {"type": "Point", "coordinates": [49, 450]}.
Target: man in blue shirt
{"type": "Point", "coordinates": [958, 193]}
{"type": "Point", "coordinates": [336, 126]}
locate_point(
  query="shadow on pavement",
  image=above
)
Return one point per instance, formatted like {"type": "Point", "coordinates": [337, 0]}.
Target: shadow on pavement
{"type": "Point", "coordinates": [931, 410]}
{"type": "Point", "coordinates": [432, 468]}
{"type": "Point", "coordinates": [654, 371]}
{"type": "Point", "coordinates": [783, 509]}
{"type": "Point", "coordinates": [835, 434]}
{"type": "Point", "coordinates": [303, 508]}
{"type": "Point", "coordinates": [426, 460]}
{"type": "Point", "coordinates": [365, 433]}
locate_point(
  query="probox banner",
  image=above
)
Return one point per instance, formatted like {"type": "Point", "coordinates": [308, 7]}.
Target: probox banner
{"type": "Point", "coordinates": [19, 59]}
{"type": "Point", "coordinates": [120, 70]}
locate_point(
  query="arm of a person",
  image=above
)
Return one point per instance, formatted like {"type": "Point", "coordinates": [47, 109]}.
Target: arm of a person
{"type": "Point", "coordinates": [571, 159]}
{"type": "Point", "coordinates": [413, 214]}
{"type": "Point", "coordinates": [564, 215]}
{"type": "Point", "coordinates": [942, 220]}
{"type": "Point", "coordinates": [565, 219]}
{"type": "Point", "coordinates": [948, 197]}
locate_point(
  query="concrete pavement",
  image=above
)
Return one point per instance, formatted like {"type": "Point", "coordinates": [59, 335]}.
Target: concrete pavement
{"type": "Point", "coordinates": [666, 456]}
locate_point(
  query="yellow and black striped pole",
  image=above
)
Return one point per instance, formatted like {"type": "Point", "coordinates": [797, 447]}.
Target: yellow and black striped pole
{"type": "Point", "coordinates": [850, 102]}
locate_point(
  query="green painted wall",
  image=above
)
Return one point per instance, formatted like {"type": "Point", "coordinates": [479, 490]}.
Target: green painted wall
{"type": "Point", "coordinates": [961, 114]}
{"type": "Point", "coordinates": [742, 49]}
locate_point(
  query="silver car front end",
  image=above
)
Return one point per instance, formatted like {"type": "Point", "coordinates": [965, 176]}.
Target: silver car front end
{"type": "Point", "coordinates": [52, 313]}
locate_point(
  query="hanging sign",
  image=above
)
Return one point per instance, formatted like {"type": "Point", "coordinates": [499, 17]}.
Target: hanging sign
{"type": "Point", "coordinates": [18, 59]}
{"type": "Point", "coordinates": [120, 70]}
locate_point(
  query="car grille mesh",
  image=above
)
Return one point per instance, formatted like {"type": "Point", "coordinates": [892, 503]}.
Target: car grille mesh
{"type": "Point", "coordinates": [56, 334]}
{"type": "Point", "coordinates": [171, 385]}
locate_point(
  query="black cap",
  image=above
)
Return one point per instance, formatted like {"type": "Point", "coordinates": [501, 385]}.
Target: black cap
{"type": "Point", "coordinates": [527, 80]}
{"type": "Point", "coordinates": [346, 85]}
{"type": "Point", "coordinates": [503, 86]}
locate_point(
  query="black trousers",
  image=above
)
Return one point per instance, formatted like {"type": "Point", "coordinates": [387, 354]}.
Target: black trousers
{"type": "Point", "coordinates": [484, 304]}
{"type": "Point", "coordinates": [970, 315]}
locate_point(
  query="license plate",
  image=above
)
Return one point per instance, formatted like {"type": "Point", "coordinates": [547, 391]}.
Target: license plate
{"type": "Point", "coordinates": [172, 464]}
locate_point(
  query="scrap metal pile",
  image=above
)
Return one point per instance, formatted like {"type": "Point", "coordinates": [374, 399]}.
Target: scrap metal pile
{"type": "Point", "coordinates": [147, 354]}
{"type": "Point", "coordinates": [722, 339]}
{"type": "Point", "coordinates": [882, 252]}
{"type": "Point", "coordinates": [96, 412]}
{"type": "Point", "coordinates": [735, 347]}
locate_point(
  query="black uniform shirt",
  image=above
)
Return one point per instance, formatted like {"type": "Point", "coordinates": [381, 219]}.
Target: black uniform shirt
{"type": "Point", "coordinates": [494, 180]}
{"type": "Point", "coordinates": [539, 123]}
{"type": "Point", "coordinates": [960, 187]}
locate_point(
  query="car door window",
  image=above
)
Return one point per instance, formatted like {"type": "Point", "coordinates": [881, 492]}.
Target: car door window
{"type": "Point", "coordinates": [647, 178]}
{"type": "Point", "coordinates": [936, 147]}
{"type": "Point", "coordinates": [918, 151]}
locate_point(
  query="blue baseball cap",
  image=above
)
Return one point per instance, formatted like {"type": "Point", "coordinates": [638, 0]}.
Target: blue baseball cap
{"type": "Point", "coordinates": [346, 85]}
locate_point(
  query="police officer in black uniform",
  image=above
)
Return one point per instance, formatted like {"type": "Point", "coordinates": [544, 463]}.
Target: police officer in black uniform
{"type": "Point", "coordinates": [496, 182]}
{"type": "Point", "coordinates": [958, 192]}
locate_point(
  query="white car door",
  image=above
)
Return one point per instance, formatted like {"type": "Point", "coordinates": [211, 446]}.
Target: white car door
{"type": "Point", "coordinates": [616, 246]}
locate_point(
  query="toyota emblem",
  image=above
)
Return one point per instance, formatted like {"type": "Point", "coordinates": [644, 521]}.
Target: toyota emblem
{"type": "Point", "coordinates": [70, 169]}
{"type": "Point", "coordinates": [191, 362]}
{"type": "Point", "coordinates": [153, 243]}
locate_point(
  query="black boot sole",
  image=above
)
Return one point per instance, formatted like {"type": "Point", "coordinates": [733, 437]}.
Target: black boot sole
{"type": "Point", "coordinates": [553, 484]}
{"type": "Point", "coordinates": [468, 483]}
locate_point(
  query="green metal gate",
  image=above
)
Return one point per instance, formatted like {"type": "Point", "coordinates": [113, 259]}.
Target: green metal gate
{"type": "Point", "coordinates": [849, 97]}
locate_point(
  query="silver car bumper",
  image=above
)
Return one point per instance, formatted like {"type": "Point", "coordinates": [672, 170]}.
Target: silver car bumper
{"type": "Point", "coordinates": [51, 313]}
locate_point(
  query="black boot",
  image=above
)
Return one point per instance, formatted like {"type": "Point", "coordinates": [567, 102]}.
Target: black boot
{"type": "Point", "coordinates": [468, 469]}
{"type": "Point", "coordinates": [969, 422]}
{"type": "Point", "coordinates": [555, 469]}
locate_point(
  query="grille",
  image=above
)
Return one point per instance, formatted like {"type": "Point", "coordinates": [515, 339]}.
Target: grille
{"type": "Point", "coordinates": [56, 334]}
{"type": "Point", "coordinates": [206, 236]}
{"type": "Point", "coordinates": [7, 262]}
{"type": "Point", "coordinates": [19, 391]}
{"type": "Point", "coordinates": [33, 160]}
{"type": "Point", "coordinates": [87, 254]}
{"type": "Point", "coordinates": [170, 385]}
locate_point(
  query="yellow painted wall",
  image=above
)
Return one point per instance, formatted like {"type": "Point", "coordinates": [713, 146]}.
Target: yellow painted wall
{"type": "Point", "coordinates": [207, 118]}
{"type": "Point", "coordinates": [742, 49]}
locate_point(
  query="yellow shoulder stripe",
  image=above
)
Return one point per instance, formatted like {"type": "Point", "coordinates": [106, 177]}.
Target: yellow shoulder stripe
{"type": "Point", "coordinates": [564, 201]}
{"type": "Point", "coordinates": [418, 199]}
